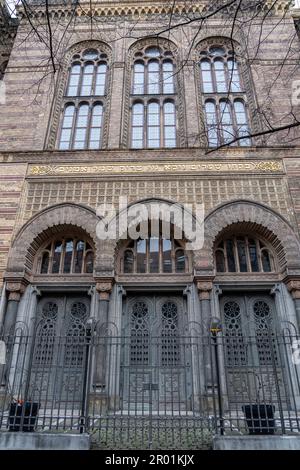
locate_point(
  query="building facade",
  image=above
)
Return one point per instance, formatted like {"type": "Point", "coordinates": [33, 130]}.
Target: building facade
{"type": "Point", "coordinates": [111, 109]}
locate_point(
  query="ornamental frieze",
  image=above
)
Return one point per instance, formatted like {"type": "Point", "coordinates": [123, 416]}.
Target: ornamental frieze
{"type": "Point", "coordinates": [270, 166]}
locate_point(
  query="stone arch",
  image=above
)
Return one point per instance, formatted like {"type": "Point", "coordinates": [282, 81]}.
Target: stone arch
{"type": "Point", "coordinates": [114, 246]}
{"type": "Point", "coordinates": [257, 218]}
{"type": "Point", "coordinates": [52, 220]}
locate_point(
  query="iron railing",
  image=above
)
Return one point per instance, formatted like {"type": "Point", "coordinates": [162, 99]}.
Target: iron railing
{"type": "Point", "coordinates": [143, 391]}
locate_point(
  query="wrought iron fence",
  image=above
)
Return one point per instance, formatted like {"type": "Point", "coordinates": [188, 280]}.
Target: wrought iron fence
{"type": "Point", "coordinates": [143, 391]}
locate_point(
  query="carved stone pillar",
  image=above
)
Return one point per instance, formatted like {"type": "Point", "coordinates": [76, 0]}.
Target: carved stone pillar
{"type": "Point", "coordinates": [104, 288]}
{"type": "Point", "coordinates": [204, 290]}
{"type": "Point", "coordinates": [293, 286]}
{"type": "Point", "coordinates": [15, 291]}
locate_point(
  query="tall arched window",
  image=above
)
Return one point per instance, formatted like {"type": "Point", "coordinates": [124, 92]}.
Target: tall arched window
{"type": "Point", "coordinates": [224, 98]}
{"type": "Point", "coordinates": [84, 101]}
{"type": "Point", "coordinates": [153, 99]}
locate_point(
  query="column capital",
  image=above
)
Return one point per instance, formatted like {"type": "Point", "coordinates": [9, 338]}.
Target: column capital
{"type": "Point", "coordinates": [293, 286]}
{"type": "Point", "coordinates": [104, 288]}
{"type": "Point", "coordinates": [15, 289]}
{"type": "Point", "coordinates": [204, 288]}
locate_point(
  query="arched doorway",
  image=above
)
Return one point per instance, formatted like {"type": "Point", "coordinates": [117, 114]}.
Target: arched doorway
{"type": "Point", "coordinates": [255, 350]}
{"type": "Point", "coordinates": [61, 267]}
{"type": "Point", "coordinates": [155, 365]}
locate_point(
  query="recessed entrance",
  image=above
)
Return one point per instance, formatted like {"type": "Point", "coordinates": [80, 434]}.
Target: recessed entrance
{"type": "Point", "coordinates": [155, 359]}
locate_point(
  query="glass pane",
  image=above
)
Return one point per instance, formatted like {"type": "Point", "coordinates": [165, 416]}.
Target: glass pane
{"type": "Point", "coordinates": [45, 263]}
{"type": "Point", "coordinates": [180, 261]}
{"type": "Point", "coordinates": [167, 256]}
{"type": "Point", "coordinates": [168, 78]}
{"type": "Point", "coordinates": [206, 76]}
{"type": "Point", "coordinates": [68, 256]}
{"type": "Point", "coordinates": [141, 256]}
{"type": "Point", "coordinates": [79, 256]}
{"type": "Point", "coordinates": [89, 262]}
{"type": "Point", "coordinates": [128, 261]}
{"type": "Point", "coordinates": [241, 246]}
{"type": "Point", "coordinates": [233, 76]}
{"type": "Point", "coordinates": [154, 255]}
{"type": "Point", "coordinates": [253, 255]}
{"type": "Point", "coordinates": [100, 80]}
{"type": "Point", "coordinates": [211, 121]}
{"type": "Point", "coordinates": [90, 54]}
{"type": "Point", "coordinates": [230, 256]}
{"type": "Point", "coordinates": [226, 122]}
{"type": "Point", "coordinates": [266, 261]}
{"type": "Point", "coordinates": [56, 257]}
{"type": "Point", "coordinates": [138, 79]}
{"type": "Point", "coordinates": [67, 124]}
{"type": "Point", "coordinates": [152, 52]}
{"type": "Point", "coordinates": [87, 80]}
{"type": "Point", "coordinates": [220, 76]}
{"type": "Point", "coordinates": [74, 80]}
{"type": "Point", "coordinates": [215, 50]}
{"type": "Point", "coordinates": [220, 261]}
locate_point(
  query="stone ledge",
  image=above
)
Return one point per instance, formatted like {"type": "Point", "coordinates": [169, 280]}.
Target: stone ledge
{"type": "Point", "coordinates": [43, 441]}
{"type": "Point", "coordinates": [256, 443]}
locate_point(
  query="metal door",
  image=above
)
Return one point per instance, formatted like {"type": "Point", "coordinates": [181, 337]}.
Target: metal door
{"type": "Point", "coordinates": [154, 364]}
{"type": "Point", "coordinates": [59, 347]}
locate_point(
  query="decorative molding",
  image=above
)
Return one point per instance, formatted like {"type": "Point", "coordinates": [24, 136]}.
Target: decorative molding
{"type": "Point", "coordinates": [293, 286]}
{"type": "Point", "coordinates": [104, 288]}
{"type": "Point", "coordinates": [15, 289]}
{"type": "Point", "coordinates": [204, 289]}
{"type": "Point", "coordinates": [105, 9]}
{"type": "Point", "coordinates": [208, 166]}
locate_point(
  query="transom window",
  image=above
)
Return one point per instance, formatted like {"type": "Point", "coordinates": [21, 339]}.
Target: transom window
{"type": "Point", "coordinates": [224, 98]}
{"type": "Point", "coordinates": [153, 92]}
{"type": "Point", "coordinates": [66, 256]}
{"type": "Point", "coordinates": [84, 101]}
{"type": "Point", "coordinates": [243, 254]}
{"type": "Point", "coordinates": [154, 255]}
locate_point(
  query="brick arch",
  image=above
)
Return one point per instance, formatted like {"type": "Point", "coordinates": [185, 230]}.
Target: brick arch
{"type": "Point", "coordinates": [55, 219]}
{"type": "Point", "coordinates": [258, 219]}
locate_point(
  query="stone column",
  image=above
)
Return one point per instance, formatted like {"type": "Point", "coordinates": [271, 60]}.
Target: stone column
{"type": "Point", "coordinates": [104, 289]}
{"type": "Point", "coordinates": [204, 290]}
{"type": "Point", "coordinates": [293, 286]}
{"type": "Point", "coordinates": [15, 291]}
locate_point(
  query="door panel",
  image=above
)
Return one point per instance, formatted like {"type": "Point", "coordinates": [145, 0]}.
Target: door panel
{"type": "Point", "coordinates": [58, 356]}
{"type": "Point", "coordinates": [254, 371]}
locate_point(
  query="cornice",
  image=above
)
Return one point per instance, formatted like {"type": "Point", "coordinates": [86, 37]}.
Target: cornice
{"type": "Point", "coordinates": [136, 9]}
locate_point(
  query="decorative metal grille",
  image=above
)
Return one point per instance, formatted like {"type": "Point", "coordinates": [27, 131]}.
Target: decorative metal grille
{"type": "Point", "coordinates": [170, 348]}
{"type": "Point", "coordinates": [235, 345]}
{"type": "Point", "coordinates": [76, 335]}
{"type": "Point", "coordinates": [139, 345]}
{"type": "Point", "coordinates": [265, 336]}
{"type": "Point", "coordinates": [45, 337]}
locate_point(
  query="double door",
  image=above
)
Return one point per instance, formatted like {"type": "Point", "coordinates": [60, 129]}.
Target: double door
{"type": "Point", "coordinates": [155, 362]}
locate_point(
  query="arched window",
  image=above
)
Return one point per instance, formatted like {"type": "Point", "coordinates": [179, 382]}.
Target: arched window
{"type": "Point", "coordinates": [154, 255]}
{"type": "Point", "coordinates": [153, 99]}
{"type": "Point", "coordinates": [224, 98]}
{"type": "Point", "coordinates": [241, 254]}
{"type": "Point", "coordinates": [84, 101]}
{"type": "Point", "coordinates": [66, 255]}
